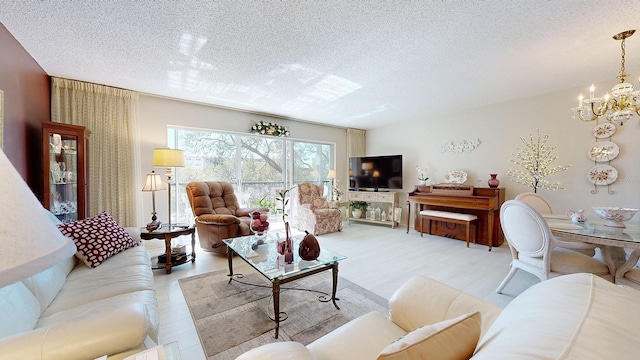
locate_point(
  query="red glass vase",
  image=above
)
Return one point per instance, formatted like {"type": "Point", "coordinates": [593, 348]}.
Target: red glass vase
{"type": "Point", "coordinates": [493, 182]}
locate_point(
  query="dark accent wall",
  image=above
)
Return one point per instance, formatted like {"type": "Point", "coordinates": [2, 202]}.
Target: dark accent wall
{"type": "Point", "coordinates": [27, 102]}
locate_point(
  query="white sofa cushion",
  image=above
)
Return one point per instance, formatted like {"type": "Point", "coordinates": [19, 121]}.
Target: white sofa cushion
{"type": "Point", "coordinates": [19, 309]}
{"type": "Point", "coordinates": [422, 301]}
{"type": "Point", "coordinates": [47, 284]}
{"type": "Point", "coordinates": [362, 338]}
{"type": "Point", "coordinates": [446, 340]}
{"type": "Point", "coordinates": [286, 350]}
{"type": "Point", "coordinates": [578, 316]}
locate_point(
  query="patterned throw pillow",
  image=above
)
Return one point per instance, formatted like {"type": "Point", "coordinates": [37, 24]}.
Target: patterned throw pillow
{"type": "Point", "coordinates": [97, 238]}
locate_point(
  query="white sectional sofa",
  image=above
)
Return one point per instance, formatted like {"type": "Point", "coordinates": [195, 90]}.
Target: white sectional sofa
{"type": "Point", "coordinates": [578, 316]}
{"type": "Point", "coordinates": [71, 311]}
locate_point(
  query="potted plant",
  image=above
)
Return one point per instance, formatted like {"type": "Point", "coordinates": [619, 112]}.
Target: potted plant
{"type": "Point", "coordinates": [358, 207]}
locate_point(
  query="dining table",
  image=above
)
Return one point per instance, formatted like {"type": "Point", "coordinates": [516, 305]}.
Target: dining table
{"type": "Point", "coordinates": [620, 247]}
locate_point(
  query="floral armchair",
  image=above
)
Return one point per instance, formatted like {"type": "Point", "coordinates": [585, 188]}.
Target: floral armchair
{"type": "Point", "coordinates": [314, 214]}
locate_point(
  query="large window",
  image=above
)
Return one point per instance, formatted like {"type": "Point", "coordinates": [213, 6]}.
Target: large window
{"type": "Point", "coordinates": [257, 166]}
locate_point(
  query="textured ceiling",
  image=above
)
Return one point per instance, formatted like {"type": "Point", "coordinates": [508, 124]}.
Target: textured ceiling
{"type": "Point", "coordinates": [356, 64]}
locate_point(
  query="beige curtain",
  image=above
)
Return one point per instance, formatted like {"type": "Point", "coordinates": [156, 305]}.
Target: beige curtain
{"type": "Point", "coordinates": [112, 116]}
{"type": "Point", "coordinates": [356, 142]}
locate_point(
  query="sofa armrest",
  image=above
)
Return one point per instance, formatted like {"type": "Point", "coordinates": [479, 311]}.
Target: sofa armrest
{"type": "Point", "coordinates": [102, 331]}
{"type": "Point", "coordinates": [287, 350]}
{"type": "Point", "coordinates": [423, 301]}
{"type": "Point", "coordinates": [134, 232]}
{"type": "Point", "coordinates": [217, 219]}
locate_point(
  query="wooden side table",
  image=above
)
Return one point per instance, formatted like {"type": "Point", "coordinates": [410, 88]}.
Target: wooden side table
{"type": "Point", "coordinates": [168, 234]}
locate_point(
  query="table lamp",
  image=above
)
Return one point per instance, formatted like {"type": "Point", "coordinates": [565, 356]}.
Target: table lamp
{"type": "Point", "coordinates": [376, 175]}
{"type": "Point", "coordinates": [168, 158]}
{"type": "Point", "coordinates": [30, 239]}
{"type": "Point", "coordinates": [153, 184]}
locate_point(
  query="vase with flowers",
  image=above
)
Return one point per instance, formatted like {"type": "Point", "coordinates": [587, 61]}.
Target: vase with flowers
{"type": "Point", "coordinates": [422, 178]}
{"type": "Point", "coordinates": [286, 248]}
{"type": "Point", "coordinates": [336, 191]}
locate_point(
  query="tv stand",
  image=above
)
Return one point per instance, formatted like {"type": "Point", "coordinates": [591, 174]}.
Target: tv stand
{"type": "Point", "coordinates": [388, 197]}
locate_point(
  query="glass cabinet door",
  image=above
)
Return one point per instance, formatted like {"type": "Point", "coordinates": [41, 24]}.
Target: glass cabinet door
{"type": "Point", "coordinates": [65, 176]}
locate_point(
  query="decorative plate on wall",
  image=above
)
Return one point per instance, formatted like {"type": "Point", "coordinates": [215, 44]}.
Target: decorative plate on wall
{"type": "Point", "coordinates": [603, 131]}
{"type": "Point", "coordinates": [602, 175]}
{"type": "Point", "coordinates": [603, 151]}
{"type": "Point", "coordinates": [455, 177]}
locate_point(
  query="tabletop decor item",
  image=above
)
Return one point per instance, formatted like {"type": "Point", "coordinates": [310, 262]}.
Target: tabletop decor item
{"type": "Point", "coordinates": [614, 216]}
{"type": "Point", "coordinates": [422, 177]}
{"type": "Point", "coordinates": [577, 216]}
{"type": "Point", "coordinates": [536, 158]}
{"type": "Point", "coordinates": [455, 177]}
{"type": "Point", "coordinates": [259, 224]}
{"type": "Point", "coordinates": [287, 249]}
{"type": "Point", "coordinates": [493, 182]}
{"type": "Point", "coordinates": [309, 248]}
{"type": "Point", "coordinates": [358, 207]}
{"type": "Point", "coordinates": [269, 128]}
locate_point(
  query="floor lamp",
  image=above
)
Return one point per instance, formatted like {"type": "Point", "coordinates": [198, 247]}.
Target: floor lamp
{"type": "Point", "coordinates": [168, 158]}
{"type": "Point", "coordinates": [331, 175]}
{"type": "Point", "coordinates": [153, 184]}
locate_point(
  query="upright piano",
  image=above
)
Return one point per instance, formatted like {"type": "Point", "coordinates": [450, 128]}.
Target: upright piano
{"type": "Point", "coordinates": [480, 201]}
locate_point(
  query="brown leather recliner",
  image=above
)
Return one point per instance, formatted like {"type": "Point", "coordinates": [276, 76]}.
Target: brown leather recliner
{"type": "Point", "coordinates": [218, 215]}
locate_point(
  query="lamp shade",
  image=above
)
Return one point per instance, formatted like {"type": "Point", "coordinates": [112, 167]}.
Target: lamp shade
{"type": "Point", "coordinates": [153, 182]}
{"type": "Point", "coordinates": [165, 157]}
{"type": "Point", "coordinates": [331, 174]}
{"type": "Point", "coordinates": [28, 235]}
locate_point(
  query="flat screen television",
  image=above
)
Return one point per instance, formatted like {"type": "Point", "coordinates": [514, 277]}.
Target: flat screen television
{"type": "Point", "coordinates": [375, 173]}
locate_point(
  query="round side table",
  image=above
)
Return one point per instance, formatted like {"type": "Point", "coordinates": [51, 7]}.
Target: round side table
{"type": "Point", "coordinates": [168, 234]}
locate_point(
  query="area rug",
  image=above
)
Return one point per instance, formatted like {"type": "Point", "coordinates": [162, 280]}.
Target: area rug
{"type": "Point", "coordinates": [234, 318]}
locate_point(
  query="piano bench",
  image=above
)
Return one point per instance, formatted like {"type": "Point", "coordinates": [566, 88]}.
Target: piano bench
{"type": "Point", "coordinates": [456, 218]}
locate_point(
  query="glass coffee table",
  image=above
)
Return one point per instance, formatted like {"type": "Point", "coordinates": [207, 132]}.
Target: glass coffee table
{"type": "Point", "coordinates": [262, 255]}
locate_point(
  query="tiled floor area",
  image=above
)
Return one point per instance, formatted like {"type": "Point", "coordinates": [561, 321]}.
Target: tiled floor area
{"type": "Point", "coordinates": [379, 259]}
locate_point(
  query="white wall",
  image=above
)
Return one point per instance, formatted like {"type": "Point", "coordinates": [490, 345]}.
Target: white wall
{"type": "Point", "coordinates": [157, 113]}
{"type": "Point", "coordinates": [499, 128]}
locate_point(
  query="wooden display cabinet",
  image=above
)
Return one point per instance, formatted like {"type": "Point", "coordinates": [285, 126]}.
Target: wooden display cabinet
{"type": "Point", "coordinates": [66, 170]}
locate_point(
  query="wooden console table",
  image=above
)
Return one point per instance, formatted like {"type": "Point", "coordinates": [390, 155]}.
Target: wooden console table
{"type": "Point", "coordinates": [388, 197]}
{"type": "Point", "coordinates": [483, 202]}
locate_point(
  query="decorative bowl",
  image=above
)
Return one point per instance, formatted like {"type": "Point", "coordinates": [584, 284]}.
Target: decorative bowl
{"type": "Point", "coordinates": [614, 216]}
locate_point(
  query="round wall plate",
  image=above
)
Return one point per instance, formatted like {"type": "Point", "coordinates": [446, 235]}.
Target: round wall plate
{"type": "Point", "coordinates": [603, 151]}
{"type": "Point", "coordinates": [602, 175]}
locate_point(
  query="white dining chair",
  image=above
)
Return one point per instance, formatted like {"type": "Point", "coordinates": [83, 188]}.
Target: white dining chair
{"type": "Point", "coordinates": [534, 249]}
{"type": "Point", "coordinates": [543, 207]}
{"type": "Point", "coordinates": [629, 273]}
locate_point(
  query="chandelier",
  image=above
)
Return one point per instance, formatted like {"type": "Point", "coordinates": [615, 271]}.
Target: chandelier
{"type": "Point", "coordinates": [623, 102]}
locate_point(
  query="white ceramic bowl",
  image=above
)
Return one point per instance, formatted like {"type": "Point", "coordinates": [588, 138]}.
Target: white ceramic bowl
{"type": "Point", "coordinates": [614, 216]}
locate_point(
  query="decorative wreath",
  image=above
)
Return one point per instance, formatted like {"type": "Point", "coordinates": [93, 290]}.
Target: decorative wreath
{"type": "Point", "coordinates": [268, 128]}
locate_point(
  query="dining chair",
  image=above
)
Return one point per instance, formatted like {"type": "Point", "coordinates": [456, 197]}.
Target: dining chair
{"type": "Point", "coordinates": [534, 249]}
{"type": "Point", "coordinates": [543, 207]}
{"type": "Point", "coordinates": [629, 273]}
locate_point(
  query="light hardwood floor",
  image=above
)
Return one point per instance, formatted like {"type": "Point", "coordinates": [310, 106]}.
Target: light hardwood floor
{"type": "Point", "coordinates": [379, 259]}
